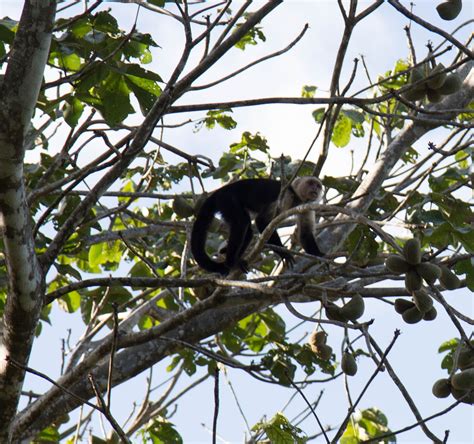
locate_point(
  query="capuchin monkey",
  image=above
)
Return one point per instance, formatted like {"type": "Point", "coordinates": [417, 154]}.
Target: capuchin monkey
{"type": "Point", "coordinates": [238, 203]}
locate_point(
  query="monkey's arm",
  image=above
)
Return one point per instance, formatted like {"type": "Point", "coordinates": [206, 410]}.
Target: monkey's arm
{"type": "Point", "coordinates": [309, 244]}
{"type": "Point", "coordinates": [306, 234]}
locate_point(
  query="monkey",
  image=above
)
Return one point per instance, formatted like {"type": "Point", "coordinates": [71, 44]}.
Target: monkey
{"type": "Point", "coordinates": [238, 203]}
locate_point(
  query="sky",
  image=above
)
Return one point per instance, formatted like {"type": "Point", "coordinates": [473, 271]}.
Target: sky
{"type": "Point", "coordinates": [290, 130]}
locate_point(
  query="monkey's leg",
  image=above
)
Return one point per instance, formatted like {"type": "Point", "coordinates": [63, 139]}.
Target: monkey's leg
{"type": "Point", "coordinates": [244, 246]}
{"type": "Point", "coordinates": [240, 234]}
{"type": "Point", "coordinates": [262, 221]}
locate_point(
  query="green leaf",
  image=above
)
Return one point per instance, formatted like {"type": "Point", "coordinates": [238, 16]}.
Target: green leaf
{"type": "Point", "coordinates": [161, 431]}
{"type": "Point", "coordinates": [318, 114]}
{"type": "Point", "coordinates": [448, 362]}
{"type": "Point", "coordinates": [275, 323]}
{"type": "Point", "coordinates": [96, 254]}
{"type": "Point", "coordinates": [146, 92]}
{"type": "Point", "coordinates": [70, 302]}
{"type": "Point", "coordinates": [308, 91]}
{"type": "Point", "coordinates": [107, 254]}
{"type": "Point", "coordinates": [366, 424]}
{"type": "Point", "coordinates": [159, 3]}
{"type": "Point", "coordinates": [68, 270]}
{"type": "Point", "coordinates": [280, 431]}
{"type": "Point", "coordinates": [467, 266]}
{"type": "Point", "coordinates": [140, 269]}
{"type": "Point", "coordinates": [351, 434]}
{"type": "Point", "coordinates": [105, 22]}
{"type": "Point", "coordinates": [96, 440]}
{"type": "Point", "coordinates": [250, 38]}
{"type": "Point", "coordinates": [341, 134]}
{"type": "Point", "coordinates": [251, 142]}
{"type": "Point", "coordinates": [135, 70]}
{"type": "Point", "coordinates": [221, 118]}
{"type": "Point", "coordinates": [466, 238]}
{"type": "Point", "coordinates": [95, 75]}
{"type": "Point", "coordinates": [341, 184]}
{"type": "Point", "coordinates": [355, 116]}
{"type": "Point", "coordinates": [449, 345]}
{"type": "Point", "coordinates": [72, 110]}
{"type": "Point", "coordinates": [7, 35]}
{"type": "Point", "coordinates": [49, 434]}
{"type": "Point", "coordinates": [362, 245]}
{"type": "Point", "coordinates": [115, 98]}
{"type": "Point", "coordinates": [410, 155]}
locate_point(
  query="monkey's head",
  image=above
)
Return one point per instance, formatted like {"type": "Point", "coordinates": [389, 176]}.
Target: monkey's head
{"type": "Point", "coordinates": [308, 188]}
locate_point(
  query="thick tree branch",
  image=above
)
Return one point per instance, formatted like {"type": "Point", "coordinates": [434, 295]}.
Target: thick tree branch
{"type": "Point", "coordinates": [18, 96]}
{"type": "Point", "coordinates": [333, 237]}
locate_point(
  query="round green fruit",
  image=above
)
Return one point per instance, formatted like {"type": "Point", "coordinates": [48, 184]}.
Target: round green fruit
{"type": "Point", "coordinates": [429, 272]}
{"type": "Point", "coordinates": [348, 364]}
{"type": "Point", "coordinates": [441, 388]}
{"type": "Point", "coordinates": [396, 264]}
{"type": "Point", "coordinates": [412, 315]}
{"type": "Point", "coordinates": [334, 313]}
{"type": "Point", "coordinates": [438, 77]}
{"type": "Point", "coordinates": [323, 352]}
{"type": "Point", "coordinates": [465, 396]}
{"type": "Point", "coordinates": [448, 279]}
{"type": "Point", "coordinates": [416, 74]}
{"type": "Point", "coordinates": [423, 301]}
{"type": "Point", "coordinates": [430, 315]}
{"type": "Point", "coordinates": [465, 358]}
{"type": "Point", "coordinates": [402, 305]}
{"type": "Point", "coordinates": [463, 380]}
{"type": "Point", "coordinates": [413, 281]}
{"type": "Point", "coordinates": [450, 9]}
{"type": "Point", "coordinates": [182, 207]}
{"type": "Point", "coordinates": [451, 85]}
{"type": "Point", "coordinates": [412, 251]}
{"type": "Point", "coordinates": [415, 93]}
{"type": "Point", "coordinates": [434, 95]}
{"type": "Point", "coordinates": [354, 309]}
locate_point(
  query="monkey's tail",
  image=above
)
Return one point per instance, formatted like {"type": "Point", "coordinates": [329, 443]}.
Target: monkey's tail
{"type": "Point", "coordinates": [199, 235]}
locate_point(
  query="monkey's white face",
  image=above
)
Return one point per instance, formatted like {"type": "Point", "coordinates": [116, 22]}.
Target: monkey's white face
{"type": "Point", "coordinates": [310, 189]}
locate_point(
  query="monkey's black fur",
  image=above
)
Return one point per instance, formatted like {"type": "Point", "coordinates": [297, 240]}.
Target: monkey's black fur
{"type": "Point", "coordinates": [237, 202]}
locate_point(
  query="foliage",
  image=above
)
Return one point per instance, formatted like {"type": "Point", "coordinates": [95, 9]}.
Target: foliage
{"type": "Point", "coordinates": [279, 430]}
{"type": "Point", "coordinates": [365, 425]}
{"type": "Point", "coordinates": [112, 203]}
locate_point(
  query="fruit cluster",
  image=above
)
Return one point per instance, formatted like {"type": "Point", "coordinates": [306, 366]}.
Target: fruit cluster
{"type": "Point", "coordinates": [461, 383]}
{"type": "Point", "coordinates": [351, 311]}
{"type": "Point", "coordinates": [437, 83]}
{"type": "Point", "coordinates": [415, 272]}
{"type": "Point", "coordinates": [420, 308]}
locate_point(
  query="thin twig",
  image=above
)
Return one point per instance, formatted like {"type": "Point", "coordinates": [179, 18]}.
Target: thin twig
{"type": "Point", "coordinates": [216, 404]}
{"type": "Point", "coordinates": [112, 355]}
{"type": "Point", "coordinates": [405, 394]}
{"type": "Point", "coordinates": [47, 378]}
{"type": "Point", "coordinates": [106, 411]}
{"type": "Point", "coordinates": [352, 408]}
{"type": "Point", "coordinates": [309, 406]}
